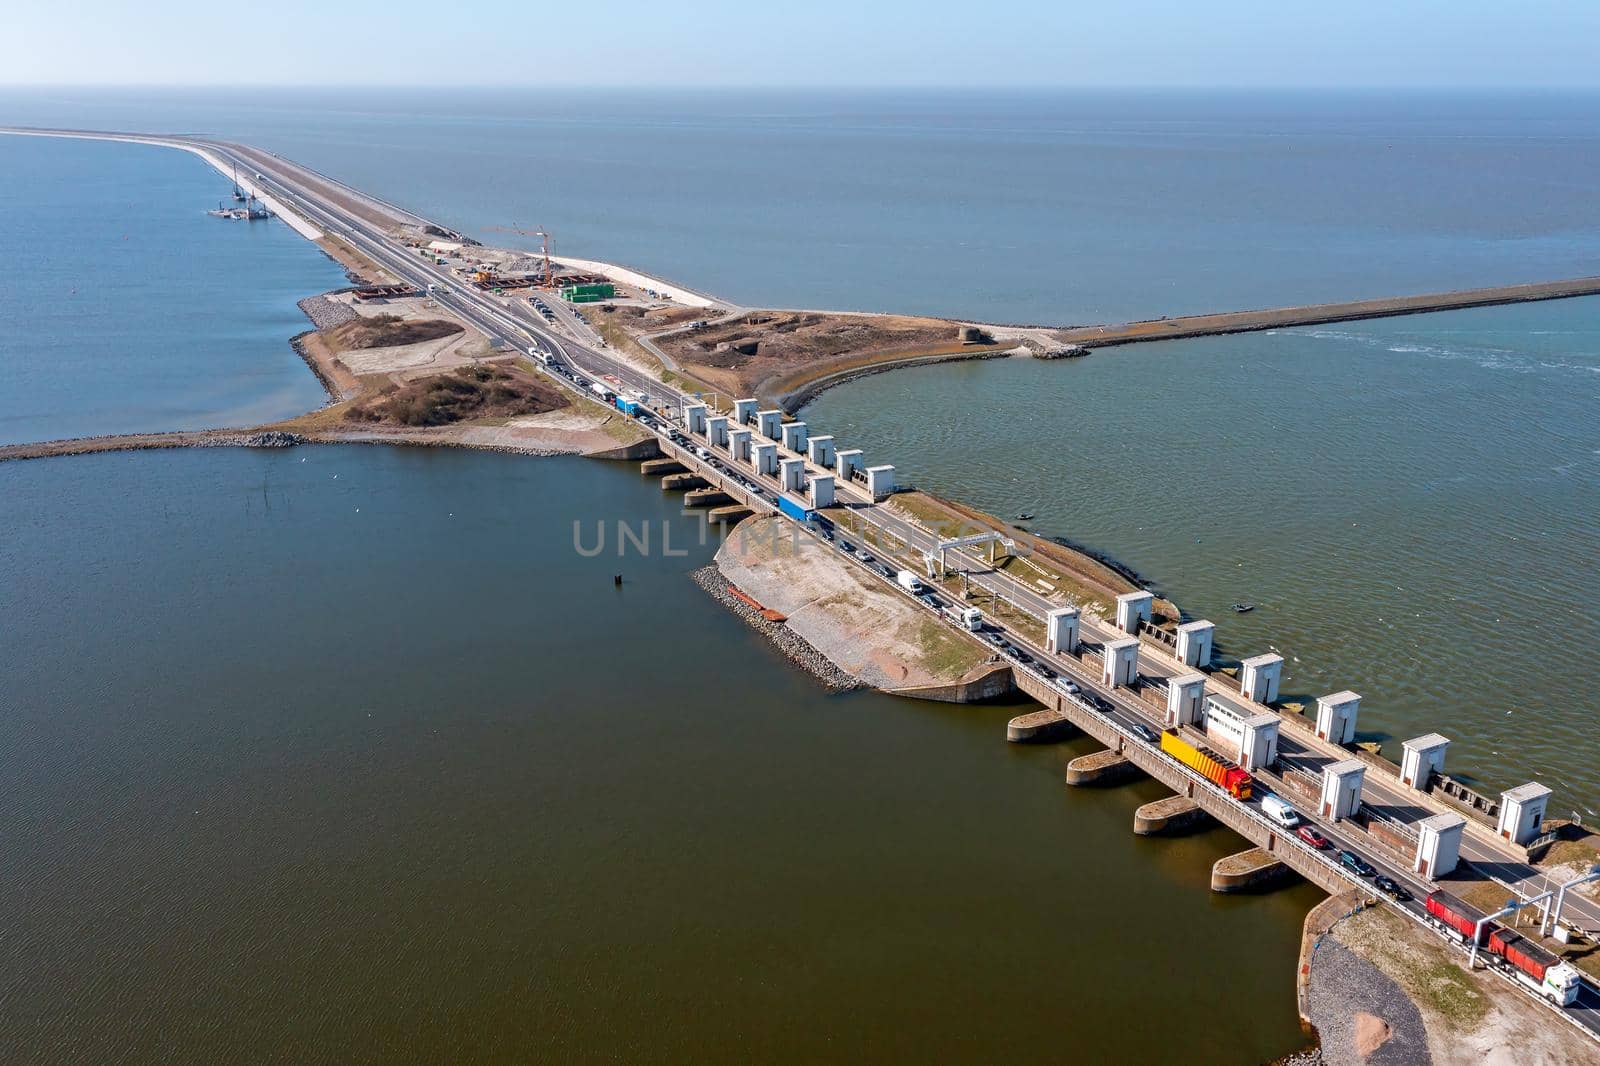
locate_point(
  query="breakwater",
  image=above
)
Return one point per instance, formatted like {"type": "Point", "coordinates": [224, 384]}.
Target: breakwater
{"type": "Point", "coordinates": [1322, 314]}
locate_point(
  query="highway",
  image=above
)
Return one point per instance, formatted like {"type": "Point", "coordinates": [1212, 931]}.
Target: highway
{"type": "Point", "coordinates": [516, 322]}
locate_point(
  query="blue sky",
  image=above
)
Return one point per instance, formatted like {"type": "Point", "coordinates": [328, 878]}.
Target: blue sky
{"type": "Point", "coordinates": [1291, 43]}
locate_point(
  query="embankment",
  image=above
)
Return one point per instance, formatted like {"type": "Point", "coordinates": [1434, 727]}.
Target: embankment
{"type": "Point", "coordinates": [1322, 314]}
{"type": "Point", "coordinates": [868, 631]}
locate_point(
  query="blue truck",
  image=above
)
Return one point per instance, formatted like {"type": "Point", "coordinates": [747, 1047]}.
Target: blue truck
{"type": "Point", "coordinates": [794, 510]}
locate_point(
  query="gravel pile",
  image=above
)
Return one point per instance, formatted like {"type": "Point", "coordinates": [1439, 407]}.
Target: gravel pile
{"type": "Point", "coordinates": [794, 647]}
{"type": "Point", "coordinates": [271, 438]}
{"type": "Point", "coordinates": [1308, 1057]}
{"type": "Point", "coordinates": [1343, 984]}
{"type": "Point", "coordinates": [324, 312]}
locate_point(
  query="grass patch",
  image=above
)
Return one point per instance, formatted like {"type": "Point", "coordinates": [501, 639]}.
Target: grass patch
{"type": "Point", "coordinates": [945, 653]}
{"type": "Point", "coordinates": [471, 393]}
{"type": "Point", "coordinates": [386, 331]}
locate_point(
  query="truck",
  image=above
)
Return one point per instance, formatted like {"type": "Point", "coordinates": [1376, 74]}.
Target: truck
{"type": "Point", "coordinates": [1535, 967]}
{"type": "Point", "coordinates": [968, 618]}
{"type": "Point", "coordinates": [908, 581]}
{"type": "Point", "coordinates": [1450, 912]}
{"type": "Point", "coordinates": [796, 511]}
{"type": "Point", "coordinates": [1231, 779]}
{"type": "Point", "coordinates": [601, 391]}
{"type": "Point", "coordinates": [631, 408]}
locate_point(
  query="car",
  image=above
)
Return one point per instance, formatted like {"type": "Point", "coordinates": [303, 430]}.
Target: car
{"type": "Point", "coordinates": [845, 545]}
{"type": "Point", "coordinates": [1023, 656]}
{"type": "Point", "coordinates": [866, 557]}
{"type": "Point", "coordinates": [1390, 887]}
{"type": "Point", "coordinates": [1145, 733]}
{"type": "Point", "coordinates": [1356, 864]}
{"type": "Point", "coordinates": [1312, 837]}
{"type": "Point", "coordinates": [1048, 673]}
{"type": "Point", "coordinates": [1070, 687]}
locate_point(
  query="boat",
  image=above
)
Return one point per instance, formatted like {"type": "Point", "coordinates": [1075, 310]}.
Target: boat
{"type": "Point", "coordinates": [1244, 608]}
{"type": "Point", "coordinates": [1024, 516]}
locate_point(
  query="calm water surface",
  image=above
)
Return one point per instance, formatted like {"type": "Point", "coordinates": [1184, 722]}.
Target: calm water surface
{"type": "Point", "coordinates": [345, 753]}
{"type": "Point", "coordinates": [1045, 207]}
{"type": "Point", "coordinates": [125, 308]}
{"type": "Point", "coordinates": [1411, 502]}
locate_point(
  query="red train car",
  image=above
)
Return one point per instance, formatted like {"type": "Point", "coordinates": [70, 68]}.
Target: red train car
{"type": "Point", "coordinates": [1455, 914]}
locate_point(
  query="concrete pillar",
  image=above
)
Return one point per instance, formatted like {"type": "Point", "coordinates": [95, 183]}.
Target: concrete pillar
{"type": "Point", "coordinates": [792, 474]}
{"type": "Point", "coordinates": [1061, 631]}
{"type": "Point", "coordinates": [820, 449]}
{"type": "Point", "coordinates": [764, 457]}
{"type": "Point", "coordinates": [849, 462]}
{"type": "Point", "coordinates": [1438, 845]}
{"type": "Point", "coordinates": [1421, 758]}
{"type": "Point", "coordinates": [739, 444]}
{"type": "Point", "coordinates": [1184, 696]}
{"type": "Point", "coordinates": [1522, 812]}
{"type": "Point", "coordinates": [880, 481]}
{"type": "Point", "coordinates": [822, 490]}
{"type": "Point", "coordinates": [694, 418]}
{"type": "Point", "coordinates": [1246, 735]}
{"type": "Point", "coordinates": [1121, 662]}
{"type": "Point", "coordinates": [1341, 789]}
{"type": "Point", "coordinates": [794, 437]}
{"type": "Point", "coordinates": [1194, 644]}
{"type": "Point", "coordinates": [1133, 608]}
{"type": "Point", "coordinates": [1336, 717]}
{"type": "Point", "coordinates": [1258, 746]}
{"type": "Point", "coordinates": [1258, 677]}
{"type": "Point", "coordinates": [744, 411]}
{"type": "Point", "coordinates": [717, 431]}
{"type": "Point", "coordinates": [770, 424]}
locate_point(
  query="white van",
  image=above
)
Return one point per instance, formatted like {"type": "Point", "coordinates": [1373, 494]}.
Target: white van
{"type": "Point", "coordinates": [909, 582]}
{"type": "Point", "coordinates": [1279, 811]}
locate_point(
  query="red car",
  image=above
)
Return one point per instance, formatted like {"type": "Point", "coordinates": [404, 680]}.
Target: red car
{"type": "Point", "coordinates": [1312, 837]}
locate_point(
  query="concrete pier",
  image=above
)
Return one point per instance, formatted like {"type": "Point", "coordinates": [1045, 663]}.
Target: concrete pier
{"type": "Point", "coordinates": [1227, 811]}
{"type": "Point", "coordinates": [1102, 768]}
{"type": "Point", "coordinates": [732, 514]}
{"type": "Point", "coordinates": [707, 497]}
{"type": "Point", "coordinates": [1254, 870]}
{"type": "Point", "coordinates": [658, 467]}
{"type": "Point", "coordinates": [683, 481]}
{"type": "Point", "coordinates": [1175, 814]}
{"type": "Point", "coordinates": [1039, 725]}
{"type": "Point", "coordinates": [1318, 314]}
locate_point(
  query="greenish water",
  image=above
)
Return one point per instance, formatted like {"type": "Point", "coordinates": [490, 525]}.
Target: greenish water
{"type": "Point", "coordinates": [1411, 503]}
{"type": "Point", "coordinates": [345, 753]}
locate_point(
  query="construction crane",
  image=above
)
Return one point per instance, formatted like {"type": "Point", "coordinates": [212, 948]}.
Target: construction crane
{"type": "Point", "coordinates": [544, 243]}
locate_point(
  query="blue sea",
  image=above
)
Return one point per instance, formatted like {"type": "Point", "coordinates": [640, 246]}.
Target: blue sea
{"type": "Point", "coordinates": [1041, 207]}
{"type": "Point", "coordinates": [127, 309]}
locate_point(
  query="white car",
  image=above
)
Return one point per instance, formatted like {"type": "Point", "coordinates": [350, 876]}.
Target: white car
{"type": "Point", "coordinates": [1279, 811]}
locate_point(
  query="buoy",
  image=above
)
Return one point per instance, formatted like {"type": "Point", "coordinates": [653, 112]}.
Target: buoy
{"type": "Point", "coordinates": [616, 579]}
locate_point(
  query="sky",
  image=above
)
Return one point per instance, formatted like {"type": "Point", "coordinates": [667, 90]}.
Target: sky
{"type": "Point", "coordinates": [822, 43]}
